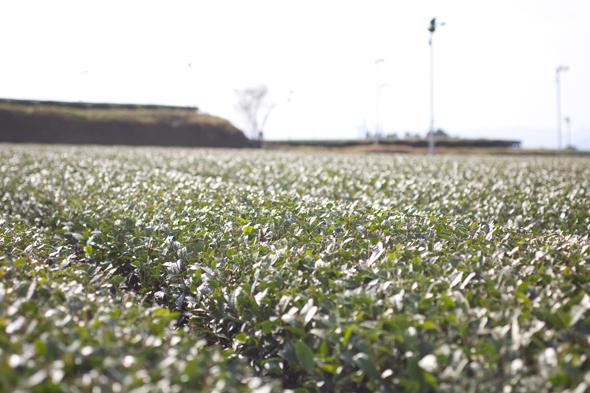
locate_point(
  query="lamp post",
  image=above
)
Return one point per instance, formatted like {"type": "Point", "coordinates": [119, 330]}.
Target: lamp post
{"type": "Point", "coordinates": [569, 131]}
{"type": "Point", "coordinates": [379, 129]}
{"type": "Point", "coordinates": [189, 79]}
{"type": "Point", "coordinates": [432, 29]}
{"type": "Point", "coordinates": [557, 71]}
{"type": "Point", "coordinates": [377, 94]}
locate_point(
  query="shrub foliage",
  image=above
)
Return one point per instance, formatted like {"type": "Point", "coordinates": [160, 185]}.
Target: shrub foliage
{"type": "Point", "coordinates": [220, 270]}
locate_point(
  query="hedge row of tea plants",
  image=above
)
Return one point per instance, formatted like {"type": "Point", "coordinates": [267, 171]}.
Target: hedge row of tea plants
{"type": "Point", "coordinates": [169, 270]}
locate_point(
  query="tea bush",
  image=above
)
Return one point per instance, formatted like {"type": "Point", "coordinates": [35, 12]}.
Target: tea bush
{"type": "Point", "coordinates": [223, 270]}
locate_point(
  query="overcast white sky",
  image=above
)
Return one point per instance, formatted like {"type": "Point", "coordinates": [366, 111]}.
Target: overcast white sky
{"type": "Point", "coordinates": [494, 63]}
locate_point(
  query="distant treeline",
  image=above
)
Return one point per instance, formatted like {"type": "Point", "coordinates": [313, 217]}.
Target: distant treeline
{"type": "Point", "coordinates": [440, 142]}
{"type": "Point", "coordinates": [28, 121]}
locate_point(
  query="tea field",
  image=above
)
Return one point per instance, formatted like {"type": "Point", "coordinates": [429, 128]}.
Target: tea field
{"type": "Point", "coordinates": [175, 270]}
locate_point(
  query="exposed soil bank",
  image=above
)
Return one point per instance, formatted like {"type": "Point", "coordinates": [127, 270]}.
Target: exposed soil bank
{"type": "Point", "coordinates": [113, 124]}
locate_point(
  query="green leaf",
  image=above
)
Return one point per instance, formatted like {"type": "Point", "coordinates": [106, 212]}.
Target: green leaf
{"type": "Point", "coordinates": [347, 334]}
{"type": "Point", "coordinates": [429, 325]}
{"type": "Point", "coordinates": [296, 330]}
{"type": "Point", "coordinates": [430, 379]}
{"type": "Point", "coordinates": [213, 283]}
{"type": "Point", "coordinates": [363, 361]}
{"type": "Point", "coordinates": [305, 356]}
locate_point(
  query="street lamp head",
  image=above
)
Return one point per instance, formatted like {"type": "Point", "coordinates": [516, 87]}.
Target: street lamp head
{"type": "Point", "coordinates": [379, 61]}
{"type": "Point", "coordinates": [433, 24]}
{"type": "Point", "coordinates": [561, 68]}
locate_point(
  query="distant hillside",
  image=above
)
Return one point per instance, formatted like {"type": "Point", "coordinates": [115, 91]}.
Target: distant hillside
{"type": "Point", "coordinates": [114, 124]}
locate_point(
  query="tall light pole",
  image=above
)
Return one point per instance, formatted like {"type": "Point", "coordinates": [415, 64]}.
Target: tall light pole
{"type": "Point", "coordinates": [432, 29]}
{"type": "Point", "coordinates": [377, 94]}
{"type": "Point", "coordinates": [189, 78]}
{"type": "Point", "coordinates": [569, 131]}
{"type": "Point", "coordinates": [559, 69]}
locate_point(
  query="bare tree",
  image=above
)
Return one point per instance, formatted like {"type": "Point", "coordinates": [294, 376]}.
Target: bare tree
{"type": "Point", "coordinates": [253, 103]}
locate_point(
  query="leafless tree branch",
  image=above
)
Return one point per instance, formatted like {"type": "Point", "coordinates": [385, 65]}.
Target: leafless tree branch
{"type": "Point", "coordinates": [254, 106]}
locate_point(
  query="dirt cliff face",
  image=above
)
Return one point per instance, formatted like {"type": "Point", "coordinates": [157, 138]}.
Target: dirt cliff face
{"type": "Point", "coordinates": [112, 124]}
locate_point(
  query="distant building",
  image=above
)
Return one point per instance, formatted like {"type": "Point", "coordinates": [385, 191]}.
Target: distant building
{"type": "Point", "coordinates": [438, 133]}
